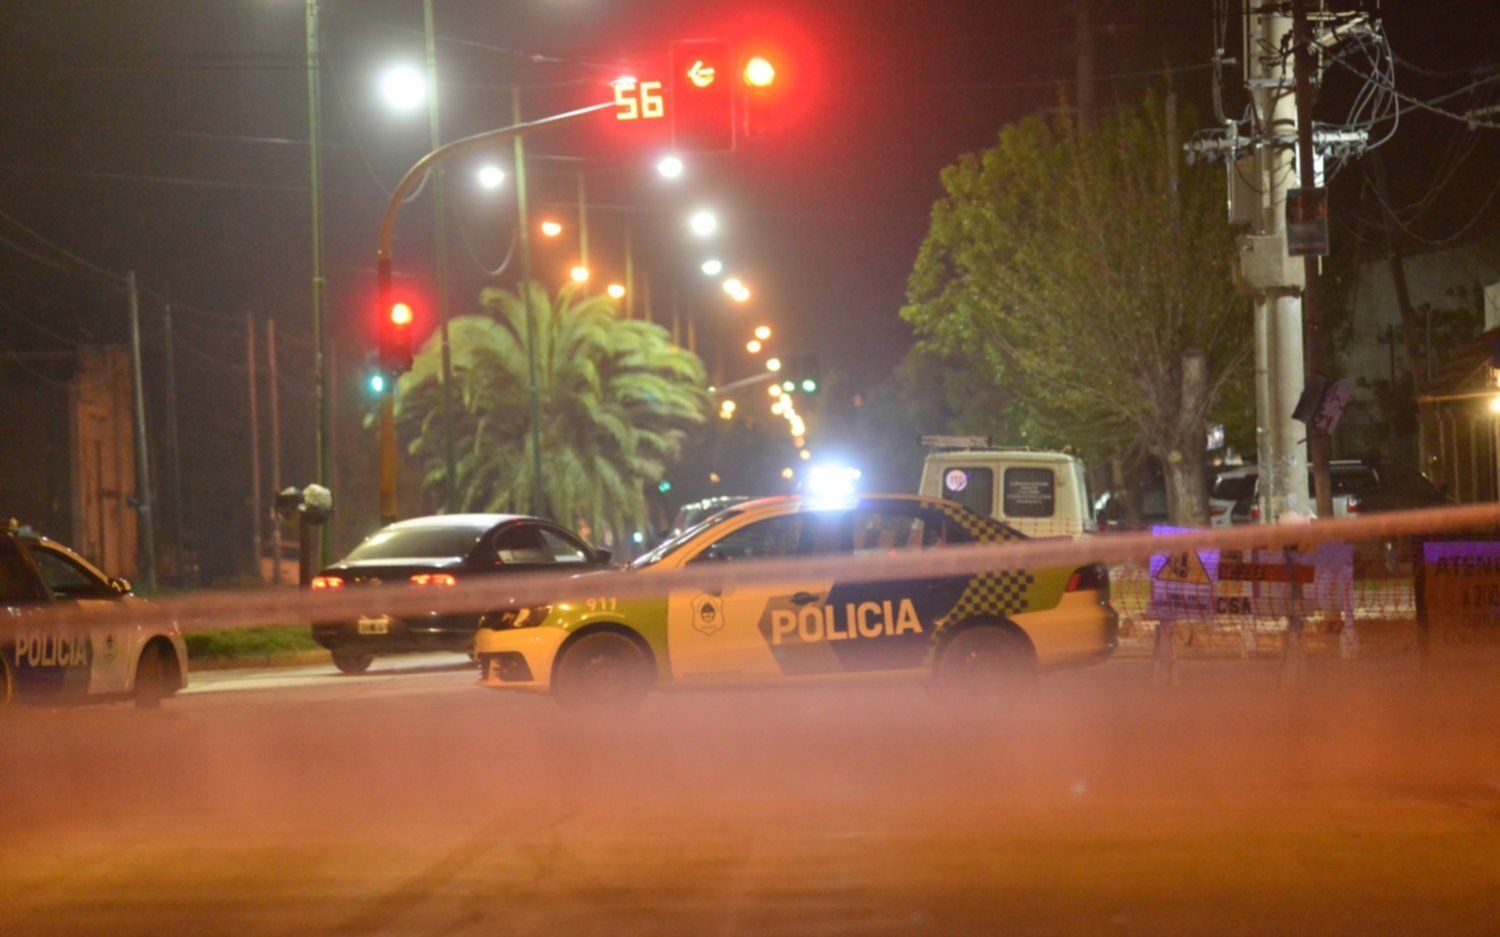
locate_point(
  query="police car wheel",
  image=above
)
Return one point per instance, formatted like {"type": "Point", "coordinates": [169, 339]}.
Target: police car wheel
{"type": "Point", "coordinates": [984, 665]}
{"type": "Point", "coordinates": [352, 661]}
{"type": "Point", "coordinates": [601, 672]}
{"type": "Point", "coordinates": [150, 679]}
{"type": "Point", "coordinates": [7, 683]}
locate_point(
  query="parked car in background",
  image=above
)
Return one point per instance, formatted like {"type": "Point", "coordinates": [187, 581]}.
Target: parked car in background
{"type": "Point", "coordinates": [433, 552]}
{"type": "Point", "coordinates": [101, 655]}
{"type": "Point", "coordinates": [1112, 513]}
{"type": "Point", "coordinates": [1361, 488]}
{"type": "Point", "coordinates": [1231, 495]}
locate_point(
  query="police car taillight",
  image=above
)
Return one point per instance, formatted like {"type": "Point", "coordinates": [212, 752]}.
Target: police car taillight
{"type": "Point", "coordinates": [433, 579]}
{"type": "Point", "coordinates": [1094, 577]}
{"type": "Point", "coordinates": [328, 582]}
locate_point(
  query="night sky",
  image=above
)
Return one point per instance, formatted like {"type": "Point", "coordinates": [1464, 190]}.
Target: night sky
{"type": "Point", "coordinates": [170, 138]}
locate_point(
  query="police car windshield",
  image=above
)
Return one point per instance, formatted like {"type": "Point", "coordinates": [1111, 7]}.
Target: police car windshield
{"type": "Point", "coordinates": [670, 545]}
{"type": "Point", "coordinates": [416, 543]}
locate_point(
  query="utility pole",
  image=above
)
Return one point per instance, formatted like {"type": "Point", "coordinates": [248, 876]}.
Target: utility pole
{"type": "Point", "coordinates": [257, 538]}
{"type": "Point", "coordinates": [142, 457]}
{"type": "Point", "coordinates": [273, 390]}
{"type": "Point", "coordinates": [174, 458]}
{"type": "Point", "coordinates": [319, 284]}
{"type": "Point", "coordinates": [1319, 442]}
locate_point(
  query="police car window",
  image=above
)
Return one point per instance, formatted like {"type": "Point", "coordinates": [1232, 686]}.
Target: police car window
{"type": "Point", "coordinates": [67, 578]}
{"type": "Point", "coordinates": [562, 549]}
{"type": "Point", "coordinates": [974, 488]}
{"type": "Point", "coordinates": [887, 531]}
{"type": "Point", "coordinates": [1029, 492]}
{"type": "Point", "coordinates": [16, 582]}
{"type": "Point", "coordinates": [772, 537]}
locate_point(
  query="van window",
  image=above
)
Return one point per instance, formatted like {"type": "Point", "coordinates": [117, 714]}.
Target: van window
{"type": "Point", "coordinates": [974, 488]}
{"type": "Point", "coordinates": [1030, 492]}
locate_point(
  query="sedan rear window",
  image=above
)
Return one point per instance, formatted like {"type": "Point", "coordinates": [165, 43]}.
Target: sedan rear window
{"type": "Point", "coordinates": [417, 543]}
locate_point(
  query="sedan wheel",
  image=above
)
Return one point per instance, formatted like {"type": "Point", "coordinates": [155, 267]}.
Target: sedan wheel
{"type": "Point", "coordinates": [984, 667]}
{"type": "Point", "coordinates": [352, 661]}
{"type": "Point", "coordinates": [151, 679]}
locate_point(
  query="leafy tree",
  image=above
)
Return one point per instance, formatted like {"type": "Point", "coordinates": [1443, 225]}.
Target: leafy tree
{"type": "Point", "coordinates": [615, 398]}
{"type": "Point", "coordinates": [1087, 274]}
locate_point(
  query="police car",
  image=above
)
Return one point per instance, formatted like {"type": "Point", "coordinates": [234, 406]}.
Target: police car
{"type": "Point", "coordinates": [974, 637]}
{"type": "Point", "coordinates": [99, 655]}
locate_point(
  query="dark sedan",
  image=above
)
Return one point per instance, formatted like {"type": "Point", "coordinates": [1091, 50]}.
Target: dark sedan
{"type": "Point", "coordinates": [432, 552]}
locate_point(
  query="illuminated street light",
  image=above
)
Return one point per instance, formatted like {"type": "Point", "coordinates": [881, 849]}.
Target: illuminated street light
{"type": "Point", "coordinates": [551, 229]}
{"type": "Point", "coordinates": [753, 347]}
{"type": "Point", "coordinates": [615, 291]}
{"type": "Point", "coordinates": [579, 273]}
{"type": "Point", "coordinates": [669, 167]}
{"type": "Point", "coordinates": [787, 473]}
{"type": "Point", "coordinates": [775, 390]}
{"type": "Point", "coordinates": [733, 285]}
{"type": "Point", "coordinates": [1495, 404]}
{"type": "Point", "coordinates": [763, 332]}
{"type": "Point", "coordinates": [713, 267]}
{"type": "Point", "coordinates": [491, 177]}
{"type": "Point", "coordinates": [703, 223]}
{"type": "Point", "coordinates": [773, 364]}
{"type": "Point", "coordinates": [403, 87]}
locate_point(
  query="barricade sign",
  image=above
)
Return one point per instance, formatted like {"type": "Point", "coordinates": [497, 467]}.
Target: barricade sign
{"type": "Point", "coordinates": [1458, 602]}
{"type": "Point", "coordinates": [1204, 585]}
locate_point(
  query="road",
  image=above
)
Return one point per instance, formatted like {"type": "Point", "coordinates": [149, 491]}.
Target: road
{"type": "Point", "coordinates": [407, 801]}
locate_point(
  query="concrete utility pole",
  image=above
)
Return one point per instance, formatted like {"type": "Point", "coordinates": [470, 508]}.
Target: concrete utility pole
{"type": "Point", "coordinates": [1266, 271]}
{"type": "Point", "coordinates": [147, 533]}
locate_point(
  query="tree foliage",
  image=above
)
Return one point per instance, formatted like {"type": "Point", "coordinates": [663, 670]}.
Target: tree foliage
{"type": "Point", "coordinates": [1087, 274]}
{"type": "Point", "coordinates": [615, 399]}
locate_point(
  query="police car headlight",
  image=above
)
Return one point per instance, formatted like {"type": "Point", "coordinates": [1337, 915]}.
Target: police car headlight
{"type": "Point", "coordinates": [515, 618]}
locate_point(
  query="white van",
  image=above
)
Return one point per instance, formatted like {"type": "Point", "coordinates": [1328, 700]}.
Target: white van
{"type": "Point", "coordinates": [1038, 492]}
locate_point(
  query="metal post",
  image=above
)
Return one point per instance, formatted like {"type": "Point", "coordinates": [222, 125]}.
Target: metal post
{"type": "Point", "coordinates": [145, 533]}
{"type": "Point", "coordinates": [274, 400]}
{"type": "Point", "coordinates": [583, 229]}
{"type": "Point", "coordinates": [320, 327]}
{"type": "Point", "coordinates": [256, 538]}
{"type": "Point", "coordinates": [439, 201]}
{"type": "Point", "coordinates": [537, 503]}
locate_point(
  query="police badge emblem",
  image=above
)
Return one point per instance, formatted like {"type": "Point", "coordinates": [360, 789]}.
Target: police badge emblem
{"type": "Point", "coordinates": [708, 613]}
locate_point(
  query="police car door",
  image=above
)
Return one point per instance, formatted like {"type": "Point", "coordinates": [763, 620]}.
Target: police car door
{"type": "Point", "coordinates": [29, 648]}
{"type": "Point", "coordinates": [723, 634]}
{"type": "Point", "coordinates": [102, 643]}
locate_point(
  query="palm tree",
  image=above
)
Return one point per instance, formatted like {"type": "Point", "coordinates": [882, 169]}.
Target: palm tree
{"type": "Point", "coordinates": [616, 399]}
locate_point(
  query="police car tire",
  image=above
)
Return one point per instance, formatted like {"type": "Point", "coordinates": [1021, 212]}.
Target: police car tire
{"type": "Point", "coordinates": [352, 661]}
{"type": "Point", "coordinates": [151, 678]}
{"type": "Point", "coordinates": [984, 665]}
{"type": "Point", "coordinates": [601, 672]}
{"type": "Point", "coordinates": [7, 683]}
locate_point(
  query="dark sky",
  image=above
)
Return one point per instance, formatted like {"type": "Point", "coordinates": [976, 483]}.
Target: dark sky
{"type": "Point", "coordinates": [170, 138]}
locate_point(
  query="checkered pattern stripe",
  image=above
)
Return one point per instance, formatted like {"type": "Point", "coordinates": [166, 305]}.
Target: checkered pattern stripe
{"type": "Point", "coordinates": [996, 594]}
{"type": "Point", "coordinates": [1000, 594]}
{"type": "Point", "coordinates": [981, 528]}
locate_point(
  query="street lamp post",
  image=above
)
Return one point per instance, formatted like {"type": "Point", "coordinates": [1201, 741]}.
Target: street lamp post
{"type": "Point", "coordinates": [439, 199]}
{"type": "Point", "coordinates": [319, 314]}
{"type": "Point", "coordinates": [535, 392]}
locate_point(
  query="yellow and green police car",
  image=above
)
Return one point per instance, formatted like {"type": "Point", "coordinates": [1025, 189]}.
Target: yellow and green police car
{"type": "Point", "coordinates": [974, 636]}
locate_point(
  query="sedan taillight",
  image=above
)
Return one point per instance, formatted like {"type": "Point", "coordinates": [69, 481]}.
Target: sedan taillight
{"type": "Point", "coordinates": [433, 579]}
{"type": "Point", "coordinates": [328, 582]}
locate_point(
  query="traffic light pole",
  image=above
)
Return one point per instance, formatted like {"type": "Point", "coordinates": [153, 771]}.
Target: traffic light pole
{"type": "Point", "coordinates": [408, 183]}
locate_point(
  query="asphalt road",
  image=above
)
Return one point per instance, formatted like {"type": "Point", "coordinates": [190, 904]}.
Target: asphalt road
{"type": "Point", "coordinates": [407, 801]}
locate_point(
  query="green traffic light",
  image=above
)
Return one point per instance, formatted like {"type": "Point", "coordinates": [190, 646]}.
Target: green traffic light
{"type": "Point", "coordinates": [664, 486]}
{"type": "Point", "coordinates": [788, 386]}
{"type": "Point", "coordinates": [809, 385]}
{"type": "Point", "coordinates": [377, 383]}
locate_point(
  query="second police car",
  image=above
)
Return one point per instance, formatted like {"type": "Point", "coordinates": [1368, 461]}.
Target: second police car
{"type": "Point", "coordinates": [974, 636]}
{"type": "Point", "coordinates": [98, 653]}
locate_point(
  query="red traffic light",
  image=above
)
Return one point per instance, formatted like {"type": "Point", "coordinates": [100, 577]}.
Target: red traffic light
{"type": "Point", "coordinates": [703, 93]}
{"type": "Point", "coordinates": [759, 72]}
{"type": "Point", "coordinates": [395, 339]}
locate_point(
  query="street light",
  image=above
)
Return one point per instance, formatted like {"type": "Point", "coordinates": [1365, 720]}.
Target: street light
{"type": "Point", "coordinates": [773, 364]}
{"type": "Point", "coordinates": [703, 223]}
{"type": "Point", "coordinates": [579, 273]}
{"type": "Point", "coordinates": [403, 87]}
{"type": "Point", "coordinates": [763, 332]}
{"type": "Point", "coordinates": [491, 176]}
{"type": "Point", "coordinates": [615, 291]}
{"type": "Point", "coordinates": [551, 229]}
{"type": "Point", "coordinates": [753, 346]}
{"type": "Point", "coordinates": [712, 267]}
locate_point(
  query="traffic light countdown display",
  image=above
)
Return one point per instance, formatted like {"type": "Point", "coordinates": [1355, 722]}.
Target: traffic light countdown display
{"type": "Point", "coordinates": [395, 339]}
{"type": "Point", "coordinates": [706, 91]}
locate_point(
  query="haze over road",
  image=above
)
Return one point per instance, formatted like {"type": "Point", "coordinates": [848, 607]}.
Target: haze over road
{"type": "Point", "coordinates": [409, 802]}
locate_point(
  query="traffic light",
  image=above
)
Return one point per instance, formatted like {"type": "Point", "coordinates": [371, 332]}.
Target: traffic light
{"type": "Point", "coordinates": [757, 77]}
{"type": "Point", "coordinates": [803, 372]}
{"type": "Point", "coordinates": [395, 339]}
{"type": "Point", "coordinates": [703, 92]}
